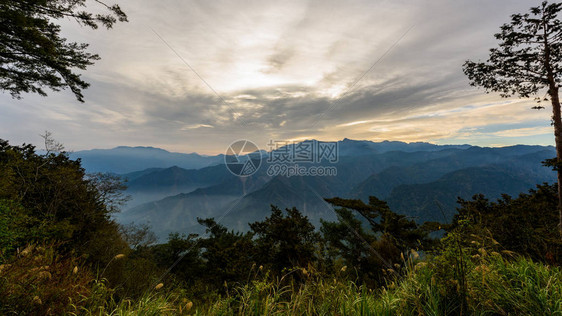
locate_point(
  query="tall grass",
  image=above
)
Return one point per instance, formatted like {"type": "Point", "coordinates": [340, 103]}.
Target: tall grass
{"type": "Point", "coordinates": [102, 302]}
{"type": "Point", "coordinates": [494, 285]}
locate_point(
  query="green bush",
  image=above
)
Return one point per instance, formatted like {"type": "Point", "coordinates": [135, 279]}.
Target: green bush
{"type": "Point", "coordinates": [39, 281]}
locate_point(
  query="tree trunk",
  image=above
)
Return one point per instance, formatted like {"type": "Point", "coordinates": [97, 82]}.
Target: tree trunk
{"type": "Point", "coordinates": [557, 119]}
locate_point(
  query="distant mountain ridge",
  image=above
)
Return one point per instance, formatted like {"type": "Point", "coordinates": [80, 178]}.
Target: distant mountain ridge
{"type": "Point", "coordinates": [130, 160]}
{"type": "Point", "coordinates": [157, 183]}
{"type": "Point", "coordinates": [416, 179]}
{"type": "Point", "coordinates": [350, 147]}
{"type": "Point", "coordinates": [124, 159]}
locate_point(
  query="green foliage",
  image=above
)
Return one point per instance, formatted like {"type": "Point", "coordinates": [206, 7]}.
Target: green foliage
{"type": "Point", "coordinates": [526, 225]}
{"type": "Point", "coordinates": [529, 58]}
{"type": "Point", "coordinates": [39, 281]}
{"type": "Point", "coordinates": [529, 55]}
{"type": "Point", "coordinates": [316, 296]}
{"type": "Point", "coordinates": [12, 219]}
{"type": "Point", "coordinates": [382, 248]}
{"type": "Point", "coordinates": [285, 241]}
{"type": "Point", "coordinates": [520, 287]}
{"type": "Point", "coordinates": [183, 254]}
{"type": "Point", "coordinates": [48, 199]}
{"type": "Point", "coordinates": [58, 201]}
{"type": "Point", "coordinates": [494, 286]}
{"type": "Point", "coordinates": [228, 256]}
{"type": "Point", "coordinates": [348, 242]}
{"type": "Point", "coordinates": [102, 301]}
{"type": "Point", "coordinates": [33, 55]}
{"type": "Point", "coordinates": [404, 232]}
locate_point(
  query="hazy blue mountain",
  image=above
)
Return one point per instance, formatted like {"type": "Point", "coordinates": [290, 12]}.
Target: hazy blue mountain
{"type": "Point", "coordinates": [349, 147]}
{"type": "Point", "coordinates": [381, 184]}
{"type": "Point", "coordinates": [157, 183]}
{"type": "Point", "coordinates": [235, 203]}
{"type": "Point", "coordinates": [125, 159]}
{"type": "Point", "coordinates": [284, 193]}
{"type": "Point", "coordinates": [219, 188]}
{"type": "Point", "coordinates": [137, 174]}
{"type": "Point", "coordinates": [179, 213]}
{"type": "Point", "coordinates": [436, 201]}
{"type": "Point", "coordinates": [414, 180]}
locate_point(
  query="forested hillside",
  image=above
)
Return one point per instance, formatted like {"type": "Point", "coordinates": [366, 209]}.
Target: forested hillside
{"type": "Point", "coordinates": [61, 252]}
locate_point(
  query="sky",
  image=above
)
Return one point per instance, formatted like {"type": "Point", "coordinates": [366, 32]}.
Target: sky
{"type": "Point", "coordinates": [195, 76]}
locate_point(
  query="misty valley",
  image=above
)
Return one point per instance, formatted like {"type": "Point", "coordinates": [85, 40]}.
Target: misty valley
{"type": "Point", "coordinates": [420, 180]}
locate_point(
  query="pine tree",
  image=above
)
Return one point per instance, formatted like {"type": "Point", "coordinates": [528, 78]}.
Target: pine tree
{"type": "Point", "coordinates": [33, 55]}
{"type": "Point", "coordinates": [527, 61]}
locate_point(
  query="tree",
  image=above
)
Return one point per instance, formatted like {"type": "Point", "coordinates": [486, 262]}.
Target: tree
{"type": "Point", "coordinates": [370, 251]}
{"type": "Point", "coordinates": [512, 222]}
{"type": "Point", "coordinates": [227, 255]}
{"type": "Point", "coordinates": [404, 233]}
{"type": "Point", "coordinates": [33, 55]}
{"type": "Point", "coordinates": [346, 239]}
{"type": "Point", "coordinates": [56, 202]}
{"type": "Point", "coordinates": [285, 241]}
{"type": "Point", "coordinates": [527, 61]}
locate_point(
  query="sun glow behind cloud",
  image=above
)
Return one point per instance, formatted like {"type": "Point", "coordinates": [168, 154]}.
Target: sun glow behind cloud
{"type": "Point", "coordinates": [276, 67]}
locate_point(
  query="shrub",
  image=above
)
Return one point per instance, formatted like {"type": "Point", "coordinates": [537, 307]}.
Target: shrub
{"type": "Point", "coordinates": [39, 281]}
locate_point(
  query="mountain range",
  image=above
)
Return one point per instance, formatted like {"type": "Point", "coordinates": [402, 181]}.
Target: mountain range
{"type": "Point", "coordinates": [125, 159]}
{"type": "Point", "coordinates": [421, 180]}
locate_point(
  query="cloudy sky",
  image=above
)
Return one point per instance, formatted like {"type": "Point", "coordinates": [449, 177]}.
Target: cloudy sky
{"type": "Point", "coordinates": [194, 76]}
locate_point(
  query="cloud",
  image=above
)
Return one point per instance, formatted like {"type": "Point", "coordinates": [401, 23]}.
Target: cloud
{"type": "Point", "coordinates": [188, 127]}
{"type": "Point", "coordinates": [281, 70]}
